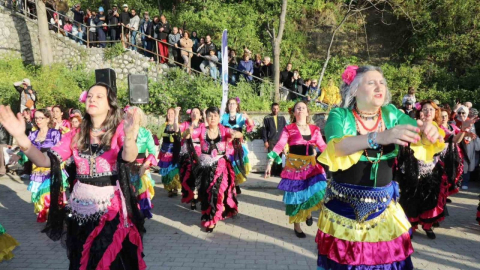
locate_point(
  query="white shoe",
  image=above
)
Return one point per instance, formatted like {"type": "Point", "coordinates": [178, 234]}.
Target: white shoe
{"type": "Point", "coordinates": [464, 187]}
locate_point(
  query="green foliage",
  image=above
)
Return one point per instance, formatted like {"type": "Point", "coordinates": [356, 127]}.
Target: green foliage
{"type": "Point", "coordinates": [54, 85]}
{"type": "Point", "coordinates": [114, 51]}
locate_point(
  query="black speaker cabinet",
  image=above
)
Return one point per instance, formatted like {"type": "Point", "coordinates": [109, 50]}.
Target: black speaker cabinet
{"type": "Point", "coordinates": [107, 76]}
{"type": "Point", "coordinates": [138, 89]}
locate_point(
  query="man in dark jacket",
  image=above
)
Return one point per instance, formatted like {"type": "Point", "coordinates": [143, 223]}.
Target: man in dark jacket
{"type": "Point", "coordinates": [273, 125]}
{"type": "Point", "coordinates": [163, 30]}
{"type": "Point", "coordinates": [266, 71]}
{"type": "Point", "coordinates": [204, 50]}
{"type": "Point", "coordinates": [100, 20]}
{"type": "Point", "coordinates": [113, 22]}
{"type": "Point", "coordinates": [296, 86]}
{"type": "Point", "coordinates": [409, 110]}
{"type": "Point", "coordinates": [146, 28]}
{"type": "Point", "coordinates": [124, 20]}
{"type": "Point", "coordinates": [286, 81]}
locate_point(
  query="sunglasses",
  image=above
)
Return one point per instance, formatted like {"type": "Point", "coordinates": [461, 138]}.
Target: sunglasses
{"type": "Point", "coordinates": [461, 113]}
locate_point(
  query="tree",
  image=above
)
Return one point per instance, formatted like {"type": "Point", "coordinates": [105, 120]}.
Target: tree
{"type": "Point", "coordinates": [276, 40]}
{"type": "Point", "coordinates": [43, 34]}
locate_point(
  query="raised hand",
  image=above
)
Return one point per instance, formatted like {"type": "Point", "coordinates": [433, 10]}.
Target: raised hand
{"type": "Point", "coordinates": [430, 131]}
{"type": "Point", "coordinates": [131, 123]}
{"type": "Point", "coordinates": [14, 124]}
{"type": "Point", "coordinates": [177, 110]}
{"type": "Point", "coordinates": [401, 135]}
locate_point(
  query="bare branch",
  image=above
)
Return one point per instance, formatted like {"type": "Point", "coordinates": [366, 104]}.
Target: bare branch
{"type": "Point", "coordinates": [281, 26]}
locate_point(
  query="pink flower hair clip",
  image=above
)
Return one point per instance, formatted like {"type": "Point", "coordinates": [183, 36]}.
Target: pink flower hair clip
{"type": "Point", "coordinates": [418, 106]}
{"type": "Point", "coordinates": [189, 111]}
{"type": "Point", "coordinates": [238, 100]}
{"type": "Point", "coordinates": [83, 97]}
{"type": "Point", "coordinates": [349, 74]}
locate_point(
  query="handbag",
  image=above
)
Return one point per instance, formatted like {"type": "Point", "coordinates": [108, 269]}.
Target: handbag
{"type": "Point", "coordinates": [29, 104]}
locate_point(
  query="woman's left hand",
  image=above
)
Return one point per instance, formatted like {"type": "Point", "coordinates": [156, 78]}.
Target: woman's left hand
{"type": "Point", "coordinates": [131, 123]}
{"type": "Point", "coordinates": [430, 131]}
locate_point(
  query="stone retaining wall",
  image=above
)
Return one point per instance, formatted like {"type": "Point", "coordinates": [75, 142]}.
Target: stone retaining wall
{"type": "Point", "coordinates": [19, 37]}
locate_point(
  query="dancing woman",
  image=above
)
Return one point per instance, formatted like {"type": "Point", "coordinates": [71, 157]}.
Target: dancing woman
{"type": "Point", "coordinates": [424, 184]}
{"type": "Point", "coordinates": [235, 120]}
{"type": "Point", "coordinates": [303, 179]}
{"type": "Point", "coordinates": [43, 138]}
{"type": "Point", "coordinates": [453, 138]}
{"type": "Point", "coordinates": [141, 177]}
{"type": "Point", "coordinates": [187, 160]}
{"type": "Point", "coordinates": [61, 124]}
{"type": "Point", "coordinates": [102, 217]}
{"type": "Point", "coordinates": [214, 172]}
{"type": "Point", "coordinates": [169, 153]}
{"type": "Point", "coordinates": [361, 225]}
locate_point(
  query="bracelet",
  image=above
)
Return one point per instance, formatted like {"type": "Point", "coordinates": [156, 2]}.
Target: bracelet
{"type": "Point", "coordinates": [372, 140]}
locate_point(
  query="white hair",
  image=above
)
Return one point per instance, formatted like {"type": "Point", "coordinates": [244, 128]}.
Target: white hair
{"type": "Point", "coordinates": [349, 91]}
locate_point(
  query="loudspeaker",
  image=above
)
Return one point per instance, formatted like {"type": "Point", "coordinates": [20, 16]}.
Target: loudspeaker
{"type": "Point", "coordinates": [107, 76]}
{"type": "Point", "coordinates": [138, 89]}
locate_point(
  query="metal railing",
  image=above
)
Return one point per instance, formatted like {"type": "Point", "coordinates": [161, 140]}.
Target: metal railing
{"type": "Point", "coordinates": [86, 39]}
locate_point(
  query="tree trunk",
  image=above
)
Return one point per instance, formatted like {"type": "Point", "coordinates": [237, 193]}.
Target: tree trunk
{"type": "Point", "coordinates": [44, 34]}
{"type": "Point", "coordinates": [276, 41]}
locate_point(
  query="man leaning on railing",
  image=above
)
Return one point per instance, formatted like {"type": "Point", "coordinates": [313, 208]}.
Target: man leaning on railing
{"type": "Point", "coordinates": [134, 24]}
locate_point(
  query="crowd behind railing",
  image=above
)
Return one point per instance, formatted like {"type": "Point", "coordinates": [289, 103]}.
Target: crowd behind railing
{"type": "Point", "coordinates": [163, 43]}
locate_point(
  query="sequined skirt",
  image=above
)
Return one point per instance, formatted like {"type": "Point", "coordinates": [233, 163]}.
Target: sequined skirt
{"type": "Point", "coordinates": [363, 228]}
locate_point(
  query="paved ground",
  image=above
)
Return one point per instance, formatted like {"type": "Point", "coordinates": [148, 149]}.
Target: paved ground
{"type": "Point", "coordinates": [260, 238]}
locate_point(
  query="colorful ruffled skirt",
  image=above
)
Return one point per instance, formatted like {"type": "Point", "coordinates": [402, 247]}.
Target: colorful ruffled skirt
{"type": "Point", "coordinates": [363, 228]}
{"type": "Point", "coordinates": [304, 183]}
{"type": "Point", "coordinates": [144, 187]}
{"type": "Point", "coordinates": [240, 162]}
{"type": "Point", "coordinates": [216, 189]}
{"type": "Point", "coordinates": [40, 188]}
{"type": "Point", "coordinates": [168, 169]}
{"type": "Point", "coordinates": [100, 233]}
{"type": "Point", "coordinates": [7, 245]}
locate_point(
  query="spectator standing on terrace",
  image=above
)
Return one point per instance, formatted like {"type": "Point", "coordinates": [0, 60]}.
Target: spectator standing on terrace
{"type": "Point", "coordinates": [233, 63]}
{"type": "Point", "coordinates": [195, 40]}
{"type": "Point", "coordinates": [77, 28]}
{"type": "Point", "coordinates": [163, 30]}
{"type": "Point", "coordinates": [186, 44]}
{"type": "Point", "coordinates": [173, 39]}
{"type": "Point", "coordinates": [286, 80]}
{"type": "Point", "coordinates": [113, 22]}
{"type": "Point", "coordinates": [257, 65]}
{"type": "Point", "coordinates": [410, 96]}
{"type": "Point", "coordinates": [92, 31]}
{"type": "Point", "coordinates": [28, 96]}
{"type": "Point", "coordinates": [99, 21]}
{"type": "Point", "coordinates": [146, 28]}
{"type": "Point", "coordinates": [266, 71]}
{"type": "Point", "coordinates": [212, 58]}
{"type": "Point", "coordinates": [296, 85]}
{"type": "Point", "coordinates": [134, 24]}
{"type": "Point", "coordinates": [124, 21]}
{"type": "Point", "coordinates": [204, 50]}
{"type": "Point", "coordinates": [197, 60]}
{"type": "Point", "coordinates": [246, 67]}
{"type": "Point", "coordinates": [27, 115]}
